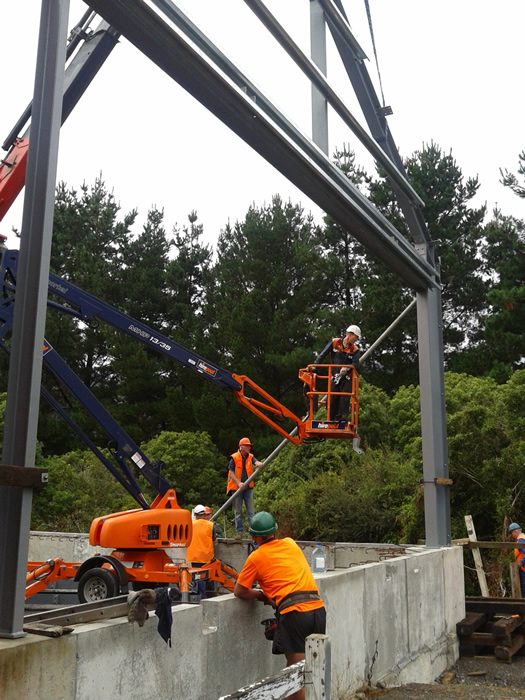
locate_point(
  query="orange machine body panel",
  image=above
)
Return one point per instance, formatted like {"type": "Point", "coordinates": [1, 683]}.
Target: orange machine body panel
{"type": "Point", "coordinates": [163, 525]}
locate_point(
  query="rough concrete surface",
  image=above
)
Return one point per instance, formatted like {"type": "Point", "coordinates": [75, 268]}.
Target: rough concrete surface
{"type": "Point", "coordinates": [476, 678]}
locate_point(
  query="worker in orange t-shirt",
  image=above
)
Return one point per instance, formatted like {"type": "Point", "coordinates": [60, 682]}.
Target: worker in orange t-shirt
{"type": "Point", "coordinates": [201, 549]}
{"type": "Point", "coordinates": [287, 583]}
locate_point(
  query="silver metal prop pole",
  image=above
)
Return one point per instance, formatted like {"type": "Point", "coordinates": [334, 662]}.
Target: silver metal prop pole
{"type": "Point", "coordinates": [388, 330]}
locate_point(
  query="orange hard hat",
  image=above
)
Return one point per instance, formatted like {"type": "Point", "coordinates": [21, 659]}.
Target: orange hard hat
{"type": "Point", "coordinates": [245, 441]}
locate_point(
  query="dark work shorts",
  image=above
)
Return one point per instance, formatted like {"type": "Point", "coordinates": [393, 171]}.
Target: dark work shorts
{"type": "Point", "coordinates": [294, 627]}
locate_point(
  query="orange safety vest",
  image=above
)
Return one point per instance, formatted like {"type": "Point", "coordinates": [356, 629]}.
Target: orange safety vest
{"type": "Point", "coordinates": [237, 458]}
{"type": "Point", "coordinates": [519, 554]}
{"type": "Point", "coordinates": [337, 345]}
{"type": "Point", "coordinates": [201, 546]}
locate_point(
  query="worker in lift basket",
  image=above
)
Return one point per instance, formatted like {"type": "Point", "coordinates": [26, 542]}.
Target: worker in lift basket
{"type": "Point", "coordinates": [344, 351]}
{"type": "Point", "coordinates": [515, 532]}
{"type": "Point", "coordinates": [240, 468]}
{"type": "Point", "coordinates": [287, 583]}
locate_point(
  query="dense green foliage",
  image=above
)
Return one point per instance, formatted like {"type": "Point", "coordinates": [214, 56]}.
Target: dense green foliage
{"type": "Point", "coordinates": [192, 464]}
{"type": "Point", "coordinates": [328, 492]}
{"type": "Point", "coordinates": [79, 490]}
{"type": "Point", "coordinates": [264, 303]}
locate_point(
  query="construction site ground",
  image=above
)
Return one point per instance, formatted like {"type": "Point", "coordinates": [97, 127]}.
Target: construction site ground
{"type": "Point", "coordinates": [476, 678]}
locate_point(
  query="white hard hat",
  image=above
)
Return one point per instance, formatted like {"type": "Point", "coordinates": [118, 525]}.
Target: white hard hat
{"type": "Point", "coordinates": [199, 510]}
{"type": "Point", "coordinates": [355, 330]}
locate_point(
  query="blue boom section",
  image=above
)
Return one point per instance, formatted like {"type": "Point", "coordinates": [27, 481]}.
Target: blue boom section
{"type": "Point", "coordinates": [86, 306]}
{"type": "Point", "coordinates": [80, 304]}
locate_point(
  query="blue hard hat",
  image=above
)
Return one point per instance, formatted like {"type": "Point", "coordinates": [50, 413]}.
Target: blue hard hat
{"type": "Point", "coordinates": [513, 526]}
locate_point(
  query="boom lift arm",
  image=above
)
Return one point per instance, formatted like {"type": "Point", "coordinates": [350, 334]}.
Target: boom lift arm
{"type": "Point", "coordinates": [124, 450]}
{"type": "Point", "coordinates": [317, 378]}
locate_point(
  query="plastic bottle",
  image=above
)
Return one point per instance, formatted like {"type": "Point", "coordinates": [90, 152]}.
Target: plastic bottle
{"type": "Point", "coordinates": [318, 559]}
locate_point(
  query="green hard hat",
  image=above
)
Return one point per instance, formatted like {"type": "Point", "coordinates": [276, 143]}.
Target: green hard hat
{"type": "Point", "coordinates": [514, 526]}
{"type": "Point", "coordinates": [263, 523]}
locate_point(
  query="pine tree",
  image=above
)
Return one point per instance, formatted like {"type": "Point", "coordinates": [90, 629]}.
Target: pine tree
{"type": "Point", "coordinates": [270, 282]}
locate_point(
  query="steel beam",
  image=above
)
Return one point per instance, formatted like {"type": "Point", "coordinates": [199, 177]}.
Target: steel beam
{"type": "Point", "coordinates": [95, 48]}
{"type": "Point", "coordinates": [321, 85]}
{"type": "Point", "coordinates": [276, 139]}
{"type": "Point", "coordinates": [429, 312]}
{"type": "Point", "coordinates": [433, 420]}
{"type": "Point", "coordinates": [353, 60]}
{"type": "Point", "coordinates": [318, 53]}
{"type": "Point", "coordinates": [25, 366]}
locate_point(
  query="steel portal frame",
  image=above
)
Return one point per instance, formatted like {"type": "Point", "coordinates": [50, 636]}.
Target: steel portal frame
{"type": "Point", "coordinates": [185, 54]}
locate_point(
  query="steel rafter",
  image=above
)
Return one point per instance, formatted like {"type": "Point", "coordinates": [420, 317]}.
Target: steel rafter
{"type": "Point", "coordinates": [317, 78]}
{"type": "Point", "coordinates": [252, 117]}
{"type": "Point", "coordinates": [353, 59]}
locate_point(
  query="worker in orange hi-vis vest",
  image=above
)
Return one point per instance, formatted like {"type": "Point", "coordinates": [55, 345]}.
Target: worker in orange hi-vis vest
{"type": "Point", "coordinates": [240, 468]}
{"type": "Point", "coordinates": [344, 351]}
{"type": "Point", "coordinates": [519, 554]}
{"type": "Point", "coordinates": [201, 549]}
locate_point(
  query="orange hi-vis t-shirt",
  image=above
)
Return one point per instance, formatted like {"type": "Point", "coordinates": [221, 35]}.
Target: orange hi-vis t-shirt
{"type": "Point", "coordinates": [201, 545]}
{"type": "Point", "coordinates": [280, 568]}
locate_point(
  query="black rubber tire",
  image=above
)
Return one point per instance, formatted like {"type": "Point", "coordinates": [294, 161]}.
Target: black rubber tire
{"type": "Point", "coordinates": [97, 584]}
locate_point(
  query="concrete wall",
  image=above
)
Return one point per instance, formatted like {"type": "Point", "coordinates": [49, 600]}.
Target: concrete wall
{"type": "Point", "coordinates": [70, 546]}
{"type": "Point", "coordinates": [339, 555]}
{"type": "Point", "coordinates": [392, 620]}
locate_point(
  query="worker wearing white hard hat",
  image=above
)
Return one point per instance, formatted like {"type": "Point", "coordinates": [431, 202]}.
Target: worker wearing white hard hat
{"type": "Point", "coordinates": [200, 551]}
{"type": "Point", "coordinates": [345, 351]}
{"type": "Point", "coordinates": [355, 330]}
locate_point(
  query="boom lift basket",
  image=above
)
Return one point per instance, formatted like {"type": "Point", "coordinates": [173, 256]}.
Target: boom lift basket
{"type": "Point", "coordinates": [323, 384]}
{"type": "Point", "coordinates": [321, 387]}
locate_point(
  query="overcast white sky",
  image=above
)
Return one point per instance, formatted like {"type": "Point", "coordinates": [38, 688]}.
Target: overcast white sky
{"type": "Point", "coordinates": [452, 72]}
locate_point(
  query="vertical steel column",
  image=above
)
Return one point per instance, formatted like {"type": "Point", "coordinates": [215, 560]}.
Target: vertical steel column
{"type": "Point", "coordinates": [433, 419]}
{"type": "Point", "coordinates": [25, 367]}
{"type": "Point", "coordinates": [318, 54]}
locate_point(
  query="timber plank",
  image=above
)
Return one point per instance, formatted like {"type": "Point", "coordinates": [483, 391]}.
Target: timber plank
{"type": "Point", "coordinates": [505, 626]}
{"type": "Point", "coordinates": [496, 607]}
{"type": "Point", "coordinates": [470, 623]}
{"type": "Point", "coordinates": [47, 630]}
{"type": "Point", "coordinates": [505, 653]}
{"type": "Point", "coordinates": [483, 639]}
